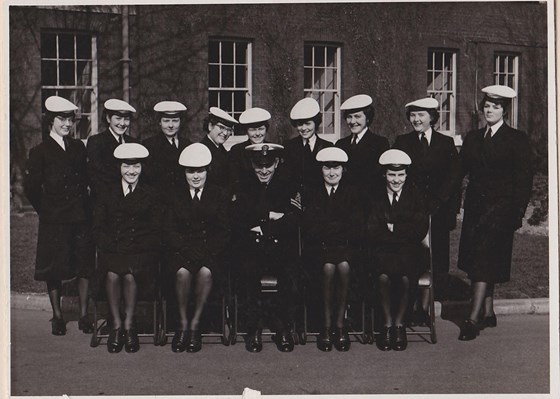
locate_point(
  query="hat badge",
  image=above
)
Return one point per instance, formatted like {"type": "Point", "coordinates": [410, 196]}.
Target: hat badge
{"type": "Point", "coordinates": [264, 149]}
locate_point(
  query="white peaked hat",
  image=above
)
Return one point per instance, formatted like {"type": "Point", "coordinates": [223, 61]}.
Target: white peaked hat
{"type": "Point", "coordinates": [426, 103]}
{"type": "Point", "coordinates": [223, 115]}
{"type": "Point", "coordinates": [395, 157]}
{"type": "Point", "coordinates": [118, 106]}
{"type": "Point", "coordinates": [499, 91]}
{"type": "Point", "coordinates": [131, 151]}
{"type": "Point", "coordinates": [196, 155]}
{"type": "Point", "coordinates": [170, 107]}
{"type": "Point", "coordinates": [356, 102]}
{"type": "Point", "coordinates": [254, 115]}
{"type": "Point", "coordinates": [59, 105]}
{"type": "Point", "coordinates": [332, 154]}
{"type": "Point", "coordinates": [306, 108]}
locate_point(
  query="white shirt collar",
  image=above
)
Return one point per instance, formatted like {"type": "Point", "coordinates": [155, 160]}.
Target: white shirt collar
{"type": "Point", "coordinates": [495, 127]}
{"type": "Point", "coordinates": [176, 140]}
{"type": "Point", "coordinates": [59, 140]}
{"type": "Point", "coordinates": [191, 190]}
{"type": "Point", "coordinates": [390, 195]}
{"type": "Point", "coordinates": [125, 186]}
{"type": "Point", "coordinates": [312, 140]}
{"type": "Point", "coordinates": [360, 135]}
{"type": "Point", "coordinates": [116, 136]}
{"type": "Point", "coordinates": [328, 188]}
{"type": "Point", "coordinates": [428, 134]}
{"type": "Point", "coordinates": [212, 141]}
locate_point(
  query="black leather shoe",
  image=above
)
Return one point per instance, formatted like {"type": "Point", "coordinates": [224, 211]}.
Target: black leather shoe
{"type": "Point", "coordinates": [383, 340]}
{"type": "Point", "coordinates": [399, 338]}
{"type": "Point", "coordinates": [342, 340]}
{"type": "Point", "coordinates": [115, 341]}
{"type": "Point", "coordinates": [58, 326]}
{"type": "Point", "coordinates": [489, 321]}
{"type": "Point", "coordinates": [131, 343]}
{"type": "Point", "coordinates": [85, 325]}
{"type": "Point", "coordinates": [284, 341]}
{"type": "Point", "coordinates": [469, 330]}
{"type": "Point", "coordinates": [254, 342]}
{"type": "Point", "coordinates": [420, 318]}
{"type": "Point", "coordinates": [194, 341]}
{"type": "Point", "coordinates": [179, 342]}
{"type": "Point", "coordinates": [324, 342]}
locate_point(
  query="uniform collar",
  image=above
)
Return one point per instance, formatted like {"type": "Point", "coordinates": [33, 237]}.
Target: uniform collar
{"type": "Point", "coordinates": [59, 139]}
{"type": "Point", "coordinates": [124, 185]}
{"type": "Point", "coordinates": [495, 127]}
{"type": "Point", "coordinates": [312, 140]}
{"type": "Point", "coordinates": [428, 134]}
{"type": "Point", "coordinates": [360, 135]}
{"type": "Point", "coordinates": [116, 136]}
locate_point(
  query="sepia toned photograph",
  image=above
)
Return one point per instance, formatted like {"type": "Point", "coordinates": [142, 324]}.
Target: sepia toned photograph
{"type": "Point", "coordinates": [290, 199]}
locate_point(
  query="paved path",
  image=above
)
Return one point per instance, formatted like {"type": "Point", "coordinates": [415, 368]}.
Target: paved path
{"type": "Point", "coordinates": [513, 358]}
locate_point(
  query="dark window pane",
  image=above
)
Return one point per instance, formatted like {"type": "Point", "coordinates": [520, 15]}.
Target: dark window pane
{"type": "Point", "coordinates": [214, 52]}
{"type": "Point", "coordinates": [83, 100]}
{"type": "Point", "coordinates": [307, 55]}
{"type": "Point", "coordinates": [213, 99]}
{"type": "Point", "coordinates": [328, 102]}
{"type": "Point", "coordinates": [213, 75]}
{"type": "Point", "coordinates": [227, 76]}
{"type": "Point", "coordinates": [430, 60]}
{"type": "Point", "coordinates": [447, 61]}
{"type": "Point", "coordinates": [84, 73]}
{"type": "Point", "coordinates": [48, 45]}
{"type": "Point", "coordinates": [502, 79]}
{"type": "Point", "coordinates": [240, 76]}
{"type": "Point", "coordinates": [83, 46]}
{"type": "Point", "coordinates": [438, 65]}
{"type": "Point", "coordinates": [330, 75]}
{"type": "Point", "coordinates": [48, 73]}
{"type": "Point", "coordinates": [83, 127]}
{"type": "Point", "coordinates": [510, 64]}
{"type": "Point", "coordinates": [66, 46]}
{"type": "Point", "coordinates": [430, 81]}
{"type": "Point", "coordinates": [227, 52]}
{"type": "Point", "coordinates": [239, 98]}
{"type": "Point", "coordinates": [68, 94]}
{"type": "Point", "coordinates": [307, 78]}
{"type": "Point", "coordinates": [319, 53]}
{"type": "Point", "coordinates": [66, 72]}
{"type": "Point", "coordinates": [241, 53]}
{"type": "Point", "coordinates": [331, 56]}
{"type": "Point", "coordinates": [226, 100]}
{"type": "Point", "coordinates": [319, 82]}
{"type": "Point", "coordinates": [328, 122]}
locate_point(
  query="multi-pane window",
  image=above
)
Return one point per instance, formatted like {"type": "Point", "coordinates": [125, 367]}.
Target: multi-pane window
{"type": "Point", "coordinates": [322, 82]}
{"type": "Point", "coordinates": [442, 86]}
{"type": "Point", "coordinates": [506, 72]}
{"type": "Point", "coordinates": [229, 75]}
{"type": "Point", "coordinates": [69, 70]}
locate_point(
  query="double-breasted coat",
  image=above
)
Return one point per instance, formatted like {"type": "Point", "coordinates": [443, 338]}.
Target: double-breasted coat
{"type": "Point", "coordinates": [197, 233]}
{"type": "Point", "coordinates": [240, 166]}
{"type": "Point", "coordinates": [300, 164]}
{"type": "Point", "coordinates": [56, 184]}
{"type": "Point", "coordinates": [127, 230]}
{"type": "Point", "coordinates": [363, 168]}
{"type": "Point", "coordinates": [399, 252]}
{"type": "Point", "coordinates": [437, 174]}
{"type": "Point", "coordinates": [499, 188]}
{"type": "Point", "coordinates": [102, 167]}
{"type": "Point", "coordinates": [162, 170]}
{"type": "Point", "coordinates": [219, 173]}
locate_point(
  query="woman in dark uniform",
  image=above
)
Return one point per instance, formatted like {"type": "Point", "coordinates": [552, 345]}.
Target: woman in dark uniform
{"type": "Point", "coordinates": [497, 160]}
{"type": "Point", "coordinates": [255, 123]}
{"type": "Point", "coordinates": [397, 223]}
{"type": "Point", "coordinates": [332, 233]}
{"type": "Point", "coordinates": [56, 185]}
{"type": "Point", "coordinates": [196, 236]}
{"type": "Point", "coordinates": [300, 153]}
{"type": "Point", "coordinates": [126, 227]}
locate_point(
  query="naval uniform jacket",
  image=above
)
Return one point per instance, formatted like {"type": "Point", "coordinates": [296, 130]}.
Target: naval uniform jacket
{"type": "Point", "coordinates": [103, 169]}
{"type": "Point", "coordinates": [363, 168]}
{"type": "Point", "coordinates": [219, 173]}
{"type": "Point", "coordinates": [162, 170]}
{"type": "Point", "coordinates": [437, 175]}
{"type": "Point", "coordinates": [56, 184]}
{"type": "Point", "coordinates": [127, 229]}
{"type": "Point", "coordinates": [499, 188]}
{"type": "Point", "coordinates": [398, 252]}
{"type": "Point", "coordinates": [301, 166]}
{"type": "Point", "coordinates": [196, 234]}
{"type": "Point", "coordinates": [240, 164]}
{"type": "Point", "coordinates": [333, 226]}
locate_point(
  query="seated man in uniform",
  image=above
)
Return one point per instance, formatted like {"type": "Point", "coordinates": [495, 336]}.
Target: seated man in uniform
{"type": "Point", "coordinates": [266, 225]}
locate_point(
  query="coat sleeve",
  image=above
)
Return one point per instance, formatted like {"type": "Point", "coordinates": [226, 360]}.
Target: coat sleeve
{"type": "Point", "coordinates": [100, 228]}
{"type": "Point", "coordinates": [413, 228]}
{"type": "Point", "coordinates": [450, 187]}
{"type": "Point", "coordinates": [33, 181]}
{"type": "Point", "coordinates": [173, 239]}
{"type": "Point", "coordinates": [522, 176]}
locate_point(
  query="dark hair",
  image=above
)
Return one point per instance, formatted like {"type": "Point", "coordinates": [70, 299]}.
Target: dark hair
{"type": "Point", "coordinates": [434, 114]}
{"type": "Point", "coordinates": [504, 102]}
{"type": "Point", "coordinates": [368, 112]}
{"type": "Point", "coordinates": [244, 128]}
{"type": "Point", "coordinates": [317, 119]}
{"type": "Point", "coordinates": [213, 119]}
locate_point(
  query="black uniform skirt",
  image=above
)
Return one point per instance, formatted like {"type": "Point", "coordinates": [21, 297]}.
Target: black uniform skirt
{"type": "Point", "coordinates": [409, 262]}
{"type": "Point", "coordinates": [64, 251]}
{"type": "Point", "coordinates": [143, 266]}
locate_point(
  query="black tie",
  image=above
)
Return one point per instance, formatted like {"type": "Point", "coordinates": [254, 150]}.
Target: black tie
{"type": "Point", "coordinates": [487, 138]}
{"type": "Point", "coordinates": [332, 191]}
{"type": "Point", "coordinates": [196, 199]}
{"type": "Point", "coordinates": [120, 139]}
{"type": "Point", "coordinates": [307, 147]}
{"type": "Point", "coordinates": [129, 189]}
{"type": "Point", "coordinates": [424, 142]}
{"type": "Point", "coordinates": [354, 140]}
{"type": "Point", "coordinates": [66, 143]}
{"type": "Point", "coordinates": [395, 200]}
{"type": "Point", "coordinates": [173, 142]}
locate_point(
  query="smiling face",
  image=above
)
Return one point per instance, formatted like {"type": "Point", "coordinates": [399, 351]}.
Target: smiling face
{"type": "Point", "coordinates": [265, 172]}
{"type": "Point", "coordinates": [219, 132]}
{"type": "Point", "coordinates": [356, 121]}
{"type": "Point", "coordinates": [420, 120]}
{"type": "Point", "coordinates": [62, 125]}
{"type": "Point", "coordinates": [493, 112]}
{"type": "Point", "coordinates": [395, 179]}
{"type": "Point", "coordinates": [196, 177]}
{"type": "Point", "coordinates": [332, 174]}
{"type": "Point", "coordinates": [306, 129]}
{"type": "Point", "coordinates": [170, 126]}
{"type": "Point", "coordinates": [118, 124]}
{"type": "Point", "coordinates": [256, 134]}
{"type": "Point", "coordinates": [131, 172]}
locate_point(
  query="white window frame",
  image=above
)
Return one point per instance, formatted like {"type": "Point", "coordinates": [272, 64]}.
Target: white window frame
{"type": "Point", "coordinates": [248, 89]}
{"type": "Point", "coordinates": [451, 92]}
{"type": "Point", "coordinates": [92, 115]}
{"type": "Point", "coordinates": [511, 77]}
{"type": "Point", "coordinates": [317, 92]}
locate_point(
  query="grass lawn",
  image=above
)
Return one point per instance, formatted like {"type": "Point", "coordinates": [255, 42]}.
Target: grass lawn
{"type": "Point", "coordinates": [529, 267]}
